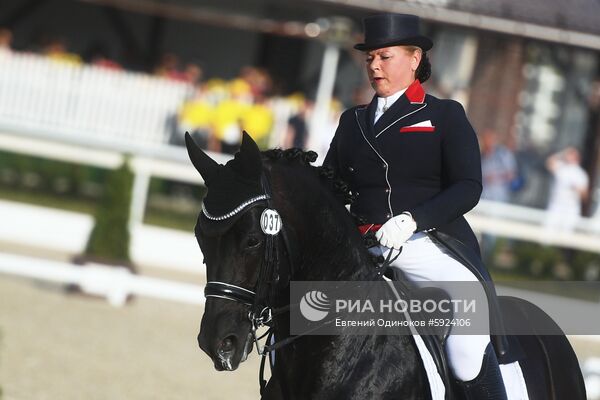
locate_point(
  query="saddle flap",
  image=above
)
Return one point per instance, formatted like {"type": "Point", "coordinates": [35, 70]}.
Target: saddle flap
{"type": "Point", "coordinates": [440, 318]}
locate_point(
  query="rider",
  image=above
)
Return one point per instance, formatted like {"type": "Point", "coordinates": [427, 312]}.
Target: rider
{"type": "Point", "coordinates": [413, 162]}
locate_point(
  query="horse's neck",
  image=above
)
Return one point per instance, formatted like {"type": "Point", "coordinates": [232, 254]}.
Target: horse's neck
{"type": "Point", "coordinates": [333, 250]}
{"type": "Point", "coordinates": [328, 245]}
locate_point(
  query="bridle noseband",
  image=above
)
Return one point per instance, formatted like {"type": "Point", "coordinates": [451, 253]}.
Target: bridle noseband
{"type": "Point", "coordinates": [229, 292]}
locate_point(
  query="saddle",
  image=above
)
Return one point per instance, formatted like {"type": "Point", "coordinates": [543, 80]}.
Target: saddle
{"type": "Point", "coordinates": [506, 347]}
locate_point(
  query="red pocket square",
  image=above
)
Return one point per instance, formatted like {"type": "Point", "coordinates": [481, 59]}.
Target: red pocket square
{"type": "Point", "coordinates": [407, 129]}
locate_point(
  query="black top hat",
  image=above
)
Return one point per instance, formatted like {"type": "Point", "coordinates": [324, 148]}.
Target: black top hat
{"type": "Point", "coordinates": [385, 30]}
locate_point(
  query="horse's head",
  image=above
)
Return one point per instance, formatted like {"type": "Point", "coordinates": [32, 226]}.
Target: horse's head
{"type": "Point", "coordinates": [229, 234]}
{"type": "Point", "coordinates": [261, 225]}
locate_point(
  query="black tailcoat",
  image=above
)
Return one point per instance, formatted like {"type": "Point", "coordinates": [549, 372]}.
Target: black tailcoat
{"type": "Point", "coordinates": [433, 172]}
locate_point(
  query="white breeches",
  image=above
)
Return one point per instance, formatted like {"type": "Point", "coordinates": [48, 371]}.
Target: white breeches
{"type": "Point", "coordinates": [422, 260]}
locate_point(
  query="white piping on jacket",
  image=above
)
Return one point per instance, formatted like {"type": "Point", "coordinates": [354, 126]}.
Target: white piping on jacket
{"type": "Point", "coordinates": [382, 159]}
{"type": "Point", "coordinates": [405, 115]}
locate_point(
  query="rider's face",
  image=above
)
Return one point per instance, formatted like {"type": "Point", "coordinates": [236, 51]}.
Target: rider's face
{"type": "Point", "coordinates": [391, 69]}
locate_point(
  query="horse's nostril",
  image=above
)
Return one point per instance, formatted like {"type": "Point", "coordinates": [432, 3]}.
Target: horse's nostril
{"type": "Point", "coordinates": [227, 345]}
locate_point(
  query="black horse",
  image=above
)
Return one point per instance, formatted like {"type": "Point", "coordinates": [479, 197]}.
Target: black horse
{"type": "Point", "coordinates": [249, 271]}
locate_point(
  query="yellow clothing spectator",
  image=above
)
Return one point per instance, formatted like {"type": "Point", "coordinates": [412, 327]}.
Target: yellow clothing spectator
{"type": "Point", "coordinates": [196, 114]}
{"type": "Point", "coordinates": [239, 87]}
{"type": "Point", "coordinates": [65, 58]}
{"type": "Point", "coordinates": [228, 113]}
{"type": "Point", "coordinates": [215, 84]}
{"type": "Point", "coordinates": [257, 120]}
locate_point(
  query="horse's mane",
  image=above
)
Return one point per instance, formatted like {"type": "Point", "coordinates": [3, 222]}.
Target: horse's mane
{"type": "Point", "coordinates": [304, 158]}
{"type": "Point", "coordinates": [339, 188]}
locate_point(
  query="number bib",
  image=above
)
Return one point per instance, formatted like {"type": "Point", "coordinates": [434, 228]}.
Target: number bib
{"type": "Point", "coordinates": [270, 222]}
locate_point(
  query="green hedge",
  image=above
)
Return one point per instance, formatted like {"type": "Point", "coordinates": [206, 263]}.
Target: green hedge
{"type": "Point", "coordinates": [79, 188]}
{"type": "Point", "coordinates": [536, 261]}
{"type": "Point", "coordinates": [110, 237]}
{"type": "Point", "coordinates": [40, 175]}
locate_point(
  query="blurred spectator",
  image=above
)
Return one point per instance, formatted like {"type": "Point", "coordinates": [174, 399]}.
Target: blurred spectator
{"type": "Point", "coordinates": [257, 120]}
{"type": "Point", "coordinates": [98, 55]}
{"type": "Point", "coordinates": [106, 63]}
{"type": "Point", "coordinates": [220, 111]}
{"type": "Point", "coordinates": [259, 80]}
{"type": "Point", "coordinates": [215, 90]}
{"type": "Point", "coordinates": [244, 109]}
{"type": "Point", "coordinates": [228, 116]}
{"type": "Point", "coordinates": [5, 40]}
{"type": "Point", "coordinates": [169, 68]}
{"type": "Point", "coordinates": [193, 73]}
{"type": "Point", "coordinates": [297, 129]}
{"type": "Point", "coordinates": [229, 135]}
{"type": "Point", "coordinates": [569, 188]}
{"type": "Point", "coordinates": [498, 167]}
{"type": "Point", "coordinates": [56, 50]}
{"type": "Point", "coordinates": [195, 117]}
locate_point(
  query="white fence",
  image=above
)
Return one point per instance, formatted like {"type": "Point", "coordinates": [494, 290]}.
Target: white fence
{"type": "Point", "coordinates": [526, 223]}
{"type": "Point", "coordinates": [103, 105]}
{"type": "Point", "coordinates": [115, 284]}
{"type": "Point", "coordinates": [91, 115]}
{"type": "Point", "coordinates": [65, 234]}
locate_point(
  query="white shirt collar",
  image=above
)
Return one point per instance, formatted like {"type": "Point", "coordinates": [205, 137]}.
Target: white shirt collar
{"type": "Point", "coordinates": [386, 102]}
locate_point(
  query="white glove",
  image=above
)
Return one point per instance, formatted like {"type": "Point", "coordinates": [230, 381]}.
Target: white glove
{"type": "Point", "coordinates": [396, 231]}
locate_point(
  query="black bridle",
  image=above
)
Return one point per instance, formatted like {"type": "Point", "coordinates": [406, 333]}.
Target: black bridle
{"type": "Point", "coordinates": [258, 301]}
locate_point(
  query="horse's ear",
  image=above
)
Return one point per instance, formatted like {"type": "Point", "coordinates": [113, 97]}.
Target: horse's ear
{"type": "Point", "coordinates": [250, 158]}
{"type": "Point", "coordinates": [249, 146]}
{"type": "Point", "coordinates": [202, 162]}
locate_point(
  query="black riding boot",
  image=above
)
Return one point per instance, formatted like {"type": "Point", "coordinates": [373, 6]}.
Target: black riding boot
{"type": "Point", "coordinates": [488, 385]}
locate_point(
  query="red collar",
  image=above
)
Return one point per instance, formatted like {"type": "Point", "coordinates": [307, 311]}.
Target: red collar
{"type": "Point", "coordinates": [415, 92]}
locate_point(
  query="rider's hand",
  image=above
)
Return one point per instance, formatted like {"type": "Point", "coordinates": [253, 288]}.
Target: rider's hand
{"type": "Point", "coordinates": [396, 231]}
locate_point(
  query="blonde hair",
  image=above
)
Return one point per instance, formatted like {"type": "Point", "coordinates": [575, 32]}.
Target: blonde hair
{"type": "Point", "coordinates": [412, 49]}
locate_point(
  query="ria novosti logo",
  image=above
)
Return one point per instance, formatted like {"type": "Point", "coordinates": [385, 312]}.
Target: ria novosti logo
{"type": "Point", "coordinates": [314, 305]}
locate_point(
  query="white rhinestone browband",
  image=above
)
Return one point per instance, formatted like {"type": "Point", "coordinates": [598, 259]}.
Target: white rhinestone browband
{"type": "Point", "coordinates": [235, 210]}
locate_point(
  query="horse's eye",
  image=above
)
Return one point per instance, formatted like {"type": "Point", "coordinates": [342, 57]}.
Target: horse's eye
{"type": "Point", "coordinates": [252, 242]}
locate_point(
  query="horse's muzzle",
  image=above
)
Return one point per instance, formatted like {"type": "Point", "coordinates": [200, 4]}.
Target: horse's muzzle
{"type": "Point", "coordinates": [226, 352]}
